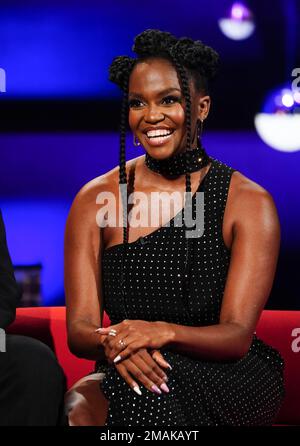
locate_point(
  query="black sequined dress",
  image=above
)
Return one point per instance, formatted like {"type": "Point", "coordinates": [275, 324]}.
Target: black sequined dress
{"type": "Point", "coordinates": [248, 391]}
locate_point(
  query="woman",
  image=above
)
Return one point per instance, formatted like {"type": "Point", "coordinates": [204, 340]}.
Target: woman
{"type": "Point", "coordinates": [181, 349]}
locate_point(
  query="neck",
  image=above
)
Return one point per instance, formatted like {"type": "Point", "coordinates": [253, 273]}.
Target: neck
{"type": "Point", "coordinates": [179, 164]}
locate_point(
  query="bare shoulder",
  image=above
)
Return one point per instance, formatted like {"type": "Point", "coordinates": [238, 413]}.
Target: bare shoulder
{"type": "Point", "coordinates": [85, 204]}
{"type": "Point", "coordinates": [109, 180]}
{"type": "Point", "coordinates": [246, 190]}
{"type": "Point", "coordinates": [252, 203]}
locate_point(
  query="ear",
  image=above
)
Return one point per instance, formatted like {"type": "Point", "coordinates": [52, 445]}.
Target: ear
{"type": "Point", "coordinates": [203, 107]}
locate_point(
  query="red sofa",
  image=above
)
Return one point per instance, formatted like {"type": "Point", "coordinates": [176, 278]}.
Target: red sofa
{"type": "Point", "coordinates": [281, 329]}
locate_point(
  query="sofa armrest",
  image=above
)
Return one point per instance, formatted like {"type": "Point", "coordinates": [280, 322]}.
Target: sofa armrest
{"type": "Point", "coordinates": [48, 324]}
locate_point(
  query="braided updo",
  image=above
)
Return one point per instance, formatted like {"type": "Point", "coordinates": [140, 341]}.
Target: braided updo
{"type": "Point", "coordinates": [200, 60]}
{"type": "Point", "coordinates": [192, 60]}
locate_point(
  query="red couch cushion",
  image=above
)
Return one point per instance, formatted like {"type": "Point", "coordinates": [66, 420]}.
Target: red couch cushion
{"type": "Point", "coordinates": [281, 329]}
{"type": "Point", "coordinates": [48, 324]}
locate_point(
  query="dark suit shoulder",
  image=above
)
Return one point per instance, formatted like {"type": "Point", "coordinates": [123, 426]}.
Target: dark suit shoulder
{"type": "Point", "coordinates": [9, 291]}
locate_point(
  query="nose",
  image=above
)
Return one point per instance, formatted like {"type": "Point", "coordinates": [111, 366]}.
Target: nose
{"type": "Point", "coordinates": [153, 114]}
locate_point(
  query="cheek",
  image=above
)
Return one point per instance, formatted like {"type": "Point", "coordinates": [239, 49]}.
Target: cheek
{"type": "Point", "coordinates": [134, 118]}
{"type": "Point", "coordinates": [177, 116]}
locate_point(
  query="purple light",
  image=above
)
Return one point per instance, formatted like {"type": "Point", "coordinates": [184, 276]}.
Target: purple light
{"type": "Point", "coordinates": [287, 100]}
{"type": "Point", "coordinates": [280, 100]}
{"type": "Point", "coordinates": [240, 12]}
{"type": "Point", "coordinates": [297, 97]}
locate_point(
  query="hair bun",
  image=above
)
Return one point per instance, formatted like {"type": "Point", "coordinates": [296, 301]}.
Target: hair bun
{"type": "Point", "coordinates": [152, 42]}
{"type": "Point", "coordinates": [196, 55]}
{"type": "Point", "coordinates": [119, 69]}
{"type": "Point", "coordinates": [192, 54]}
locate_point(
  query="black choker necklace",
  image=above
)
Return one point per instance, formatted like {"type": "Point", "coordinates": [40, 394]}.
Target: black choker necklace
{"type": "Point", "coordinates": [176, 165]}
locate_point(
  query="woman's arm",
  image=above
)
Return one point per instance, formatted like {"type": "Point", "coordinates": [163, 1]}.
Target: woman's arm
{"type": "Point", "coordinates": [254, 253]}
{"type": "Point", "coordinates": [83, 248]}
{"type": "Point", "coordinates": [82, 256]}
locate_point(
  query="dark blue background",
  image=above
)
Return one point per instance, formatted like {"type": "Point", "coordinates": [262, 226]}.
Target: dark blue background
{"type": "Point", "coordinates": [62, 51]}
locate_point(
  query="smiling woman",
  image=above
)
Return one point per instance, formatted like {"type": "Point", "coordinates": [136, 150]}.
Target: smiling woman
{"type": "Point", "coordinates": [151, 82]}
{"type": "Point", "coordinates": [159, 134]}
{"type": "Point", "coordinates": [183, 303]}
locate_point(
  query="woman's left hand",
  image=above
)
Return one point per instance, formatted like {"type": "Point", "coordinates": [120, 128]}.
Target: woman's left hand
{"type": "Point", "coordinates": [131, 335]}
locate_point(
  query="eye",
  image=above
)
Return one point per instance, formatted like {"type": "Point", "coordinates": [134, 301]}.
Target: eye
{"type": "Point", "coordinates": [133, 103]}
{"type": "Point", "coordinates": [172, 98]}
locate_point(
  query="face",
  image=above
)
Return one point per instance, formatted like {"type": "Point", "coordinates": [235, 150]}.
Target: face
{"type": "Point", "coordinates": [156, 104]}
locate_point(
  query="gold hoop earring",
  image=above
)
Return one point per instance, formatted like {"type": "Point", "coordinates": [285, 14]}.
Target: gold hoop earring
{"type": "Point", "coordinates": [136, 144]}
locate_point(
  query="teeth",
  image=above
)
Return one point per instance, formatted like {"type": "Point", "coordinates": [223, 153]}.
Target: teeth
{"type": "Point", "coordinates": [155, 133]}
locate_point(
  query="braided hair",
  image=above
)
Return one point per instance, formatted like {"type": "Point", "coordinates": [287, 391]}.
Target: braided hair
{"type": "Point", "coordinates": [192, 60]}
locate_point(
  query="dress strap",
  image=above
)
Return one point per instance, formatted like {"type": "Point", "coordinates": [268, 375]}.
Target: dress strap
{"type": "Point", "coordinates": [216, 193]}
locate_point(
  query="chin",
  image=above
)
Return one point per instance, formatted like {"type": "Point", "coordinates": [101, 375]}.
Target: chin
{"type": "Point", "coordinates": [161, 153]}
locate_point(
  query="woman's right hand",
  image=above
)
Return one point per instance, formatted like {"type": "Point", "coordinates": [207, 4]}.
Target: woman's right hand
{"type": "Point", "coordinates": [141, 366]}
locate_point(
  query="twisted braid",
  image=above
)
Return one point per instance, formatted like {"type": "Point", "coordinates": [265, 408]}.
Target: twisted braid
{"type": "Point", "coordinates": [187, 210]}
{"type": "Point", "coordinates": [122, 170]}
{"type": "Point", "coordinates": [123, 181]}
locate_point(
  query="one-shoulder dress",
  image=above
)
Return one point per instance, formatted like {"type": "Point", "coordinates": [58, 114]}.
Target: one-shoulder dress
{"type": "Point", "coordinates": [248, 391]}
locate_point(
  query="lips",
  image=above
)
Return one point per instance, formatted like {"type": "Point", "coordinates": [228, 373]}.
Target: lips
{"type": "Point", "coordinates": [159, 140]}
{"type": "Point", "coordinates": [159, 127]}
{"type": "Point", "coordinates": [159, 132]}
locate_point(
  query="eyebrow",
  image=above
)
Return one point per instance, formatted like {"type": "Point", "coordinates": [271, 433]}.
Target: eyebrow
{"type": "Point", "coordinates": [166, 91]}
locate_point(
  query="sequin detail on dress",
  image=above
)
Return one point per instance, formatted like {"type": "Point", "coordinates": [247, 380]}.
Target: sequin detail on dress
{"type": "Point", "coordinates": [249, 391]}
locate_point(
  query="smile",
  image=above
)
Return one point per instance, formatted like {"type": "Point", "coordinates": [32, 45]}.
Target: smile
{"type": "Point", "coordinates": [158, 139]}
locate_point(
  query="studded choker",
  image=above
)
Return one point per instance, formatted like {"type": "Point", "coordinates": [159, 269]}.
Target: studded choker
{"type": "Point", "coordinates": [177, 165]}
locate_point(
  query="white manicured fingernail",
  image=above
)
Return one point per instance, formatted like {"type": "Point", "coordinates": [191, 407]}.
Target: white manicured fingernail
{"type": "Point", "coordinates": [137, 390]}
{"type": "Point", "coordinates": [118, 358]}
